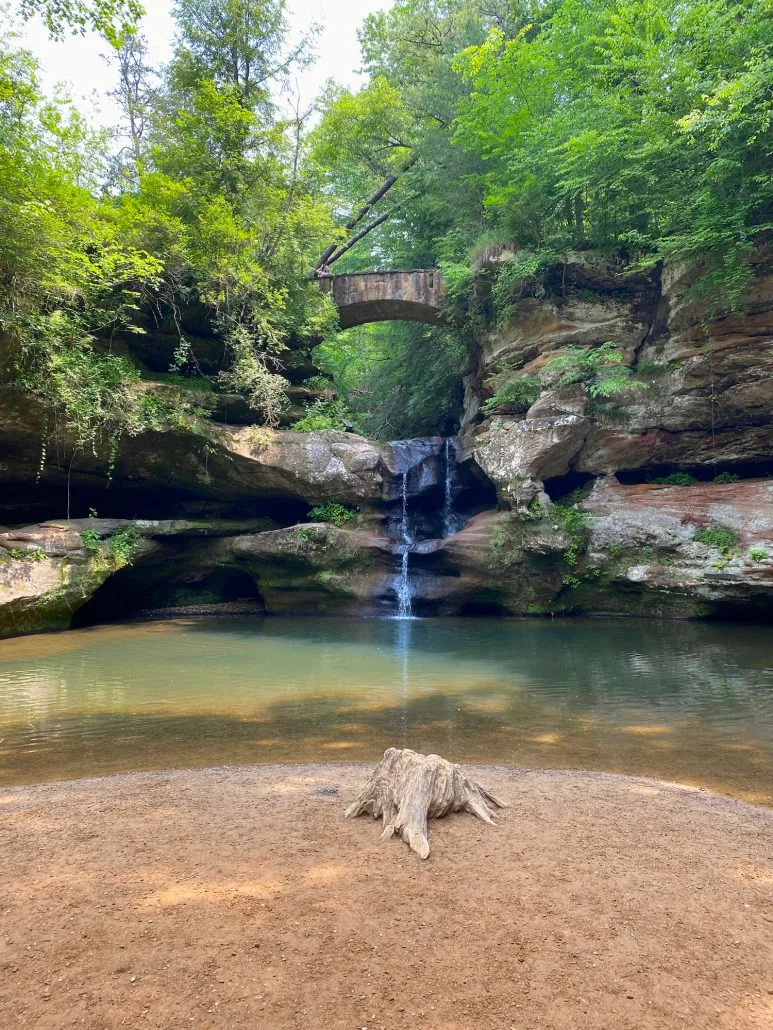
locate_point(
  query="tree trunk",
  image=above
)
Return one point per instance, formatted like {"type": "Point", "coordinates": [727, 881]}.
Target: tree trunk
{"type": "Point", "coordinates": [406, 788]}
{"type": "Point", "coordinates": [340, 251]}
{"type": "Point", "coordinates": [356, 218]}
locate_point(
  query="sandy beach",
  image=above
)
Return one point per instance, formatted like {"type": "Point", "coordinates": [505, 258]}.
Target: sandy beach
{"type": "Point", "coordinates": [241, 898]}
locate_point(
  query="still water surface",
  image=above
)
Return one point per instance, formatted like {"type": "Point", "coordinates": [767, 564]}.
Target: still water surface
{"type": "Point", "coordinates": [681, 701]}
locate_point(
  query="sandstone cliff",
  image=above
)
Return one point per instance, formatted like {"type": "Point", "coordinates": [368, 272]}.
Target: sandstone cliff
{"type": "Point", "coordinates": [559, 500]}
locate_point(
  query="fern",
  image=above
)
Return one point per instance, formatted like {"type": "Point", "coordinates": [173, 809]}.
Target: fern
{"type": "Point", "coordinates": [600, 369]}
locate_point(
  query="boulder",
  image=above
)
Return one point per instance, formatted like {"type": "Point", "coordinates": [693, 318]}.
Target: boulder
{"type": "Point", "coordinates": [513, 453]}
{"type": "Point", "coordinates": [314, 568]}
{"type": "Point", "coordinates": [499, 563]}
{"type": "Point", "coordinates": [667, 516]}
{"type": "Point", "coordinates": [47, 572]}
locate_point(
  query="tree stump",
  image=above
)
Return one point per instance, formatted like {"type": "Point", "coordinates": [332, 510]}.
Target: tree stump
{"type": "Point", "coordinates": [406, 788]}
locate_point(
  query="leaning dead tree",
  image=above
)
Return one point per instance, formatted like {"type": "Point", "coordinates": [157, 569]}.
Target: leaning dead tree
{"type": "Point", "coordinates": [336, 250]}
{"type": "Point", "coordinates": [406, 789]}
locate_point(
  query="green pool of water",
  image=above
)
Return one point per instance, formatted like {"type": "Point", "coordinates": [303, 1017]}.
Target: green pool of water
{"type": "Point", "coordinates": [681, 701]}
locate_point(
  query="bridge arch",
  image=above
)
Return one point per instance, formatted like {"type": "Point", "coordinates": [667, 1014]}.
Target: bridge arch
{"type": "Point", "coordinates": [414, 295]}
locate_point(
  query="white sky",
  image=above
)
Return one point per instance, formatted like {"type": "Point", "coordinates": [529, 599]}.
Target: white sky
{"type": "Point", "coordinates": [76, 61]}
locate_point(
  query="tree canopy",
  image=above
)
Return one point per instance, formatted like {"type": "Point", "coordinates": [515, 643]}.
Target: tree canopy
{"type": "Point", "coordinates": [110, 18]}
{"type": "Point", "coordinates": [210, 203]}
{"type": "Point", "coordinates": [639, 129]}
{"type": "Point", "coordinates": [526, 128]}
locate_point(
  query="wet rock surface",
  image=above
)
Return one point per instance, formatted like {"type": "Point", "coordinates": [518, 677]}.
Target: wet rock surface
{"type": "Point", "coordinates": [94, 570]}
{"type": "Point", "coordinates": [705, 550]}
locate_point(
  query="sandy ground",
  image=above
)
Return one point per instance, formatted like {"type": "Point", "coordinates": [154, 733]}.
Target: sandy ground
{"type": "Point", "coordinates": [240, 898]}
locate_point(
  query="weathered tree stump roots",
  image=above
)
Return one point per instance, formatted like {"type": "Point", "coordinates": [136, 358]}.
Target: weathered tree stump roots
{"type": "Point", "coordinates": [406, 788]}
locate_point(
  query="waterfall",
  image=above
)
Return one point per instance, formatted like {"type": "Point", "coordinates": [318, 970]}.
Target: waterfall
{"type": "Point", "coordinates": [449, 516]}
{"type": "Point", "coordinates": [413, 466]}
{"type": "Point", "coordinates": [425, 482]}
{"type": "Point", "coordinates": [403, 586]}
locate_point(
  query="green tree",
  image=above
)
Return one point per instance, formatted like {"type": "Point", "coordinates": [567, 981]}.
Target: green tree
{"type": "Point", "coordinates": [398, 131]}
{"type": "Point", "coordinates": [628, 124]}
{"type": "Point", "coordinates": [225, 200]}
{"type": "Point", "coordinates": [67, 275]}
{"type": "Point", "coordinates": [135, 94]}
{"type": "Point", "coordinates": [241, 44]}
{"type": "Point", "coordinates": [110, 18]}
{"type": "Point", "coordinates": [400, 379]}
{"type": "Point", "coordinates": [216, 210]}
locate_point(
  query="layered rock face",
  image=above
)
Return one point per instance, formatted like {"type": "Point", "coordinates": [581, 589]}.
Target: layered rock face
{"type": "Point", "coordinates": [700, 403]}
{"type": "Point", "coordinates": [703, 397]}
{"type": "Point", "coordinates": [696, 551]}
{"type": "Point", "coordinates": [233, 533]}
{"type": "Point", "coordinates": [187, 469]}
{"type": "Point", "coordinates": [60, 573]}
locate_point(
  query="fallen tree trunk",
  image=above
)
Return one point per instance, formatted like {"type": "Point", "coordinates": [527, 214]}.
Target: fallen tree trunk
{"type": "Point", "coordinates": [406, 788]}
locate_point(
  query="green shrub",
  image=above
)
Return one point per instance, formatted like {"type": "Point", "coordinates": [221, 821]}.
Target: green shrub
{"type": "Point", "coordinates": [518, 395]}
{"type": "Point", "coordinates": [650, 368]}
{"type": "Point", "coordinates": [606, 410]}
{"type": "Point", "coordinates": [675, 479]}
{"type": "Point", "coordinates": [397, 379]}
{"type": "Point", "coordinates": [325, 415]}
{"type": "Point", "coordinates": [123, 546]}
{"type": "Point", "coordinates": [258, 437]}
{"type": "Point", "coordinates": [726, 477]}
{"type": "Point", "coordinates": [334, 513]}
{"type": "Point", "coordinates": [575, 523]}
{"type": "Point", "coordinates": [600, 369]}
{"type": "Point", "coordinates": [515, 280]}
{"type": "Point", "coordinates": [725, 540]}
{"type": "Point", "coordinates": [91, 539]}
{"type": "Point", "coordinates": [506, 544]}
{"type": "Point", "coordinates": [758, 554]}
{"type": "Point", "coordinates": [318, 383]}
{"type": "Point", "coordinates": [37, 554]}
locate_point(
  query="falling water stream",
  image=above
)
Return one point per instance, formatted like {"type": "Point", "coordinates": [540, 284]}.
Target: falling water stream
{"type": "Point", "coordinates": [403, 588]}
{"type": "Point", "coordinates": [452, 520]}
{"type": "Point", "coordinates": [448, 501]}
{"type": "Point", "coordinates": [420, 464]}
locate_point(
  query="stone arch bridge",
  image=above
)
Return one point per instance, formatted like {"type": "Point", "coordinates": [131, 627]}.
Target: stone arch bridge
{"type": "Point", "coordinates": [414, 295]}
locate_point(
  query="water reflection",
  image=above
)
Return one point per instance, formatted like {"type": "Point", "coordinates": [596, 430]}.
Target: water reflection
{"type": "Point", "coordinates": [403, 647]}
{"type": "Point", "coordinates": [688, 702]}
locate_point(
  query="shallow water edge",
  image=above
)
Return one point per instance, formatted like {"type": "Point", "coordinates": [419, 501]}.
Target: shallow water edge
{"type": "Point", "coordinates": [689, 703]}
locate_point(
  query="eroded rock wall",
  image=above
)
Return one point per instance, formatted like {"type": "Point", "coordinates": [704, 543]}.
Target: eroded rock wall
{"type": "Point", "coordinates": [703, 384]}
{"type": "Point", "coordinates": [94, 570]}
{"type": "Point", "coordinates": [646, 550]}
{"type": "Point", "coordinates": [182, 469]}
